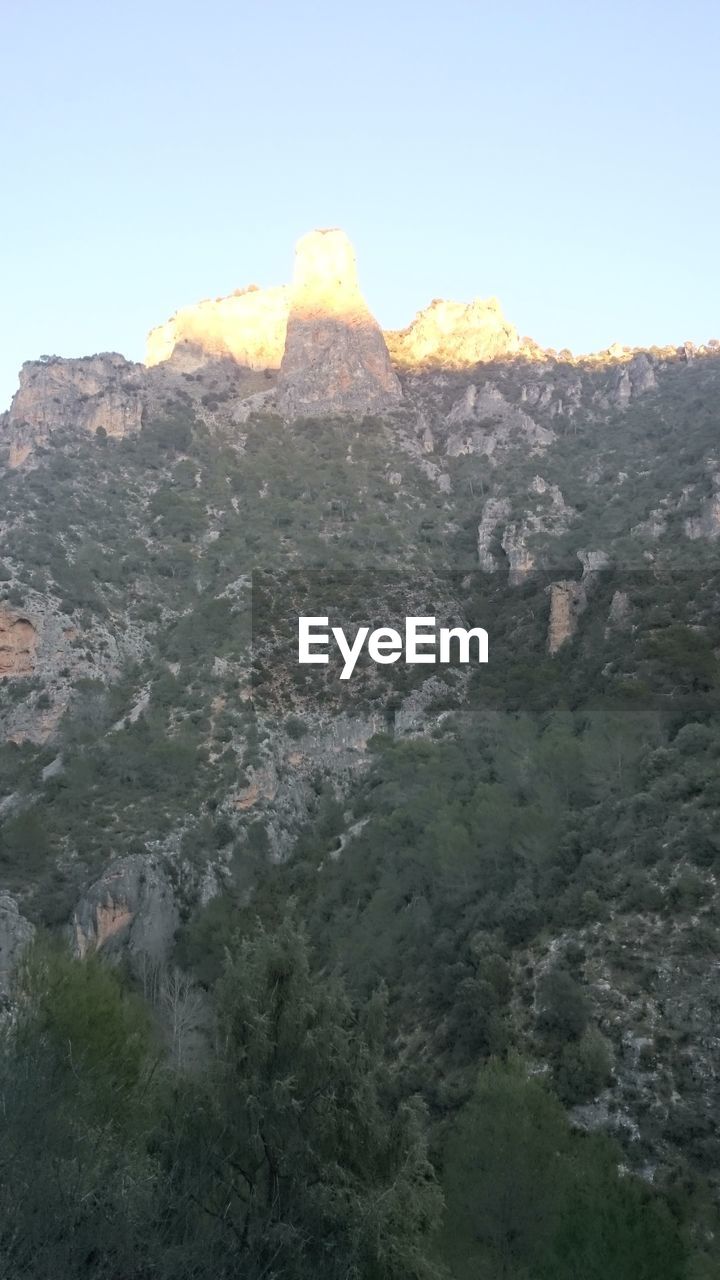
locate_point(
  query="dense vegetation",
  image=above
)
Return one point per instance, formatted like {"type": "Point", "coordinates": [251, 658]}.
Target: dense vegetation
{"type": "Point", "coordinates": [292, 1149]}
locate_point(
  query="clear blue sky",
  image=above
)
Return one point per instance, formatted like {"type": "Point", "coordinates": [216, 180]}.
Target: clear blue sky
{"type": "Point", "coordinates": [562, 156]}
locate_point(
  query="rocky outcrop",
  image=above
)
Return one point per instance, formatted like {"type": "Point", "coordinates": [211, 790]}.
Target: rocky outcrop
{"type": "Point", "coordinates": [18, 644]}
{"type": "Point", "coordinates": [319, 333]}
{"type": "Point", "coordinates": [335, 358]}
{"type": "Point", "coordinates": [280, 792]}
{"type": "Point", "coordinates": [131, 907]}
{"type": "Point", "coordinates": [568, 599]}
{"type": "Point", "coordinates": [703, 524]}
{"type": "Point", "coordinates": [248, 327]}
{"type": "Point", "coordinates": [456, 335]}
{"type": "Point", "coordinates": [93, 393]}
{"type": "Point", "coordinates": [484, 420]}
{"type": "Point", "coordinates": [517, 556]}
{"type": "Point", "coordinates": [16, 933]}
{"type": "Point", "coordinates": [707, 524]}
{"type": "Point", "coordinates": [630, 379]}
{"type": "Point", "coordinates": [521, 559]}
{"type": "Point", "coordinates": [331, 323]}
{"type": "Point", "coordinates": [40, 641]}
{"type": "Point", "coordinates": [547, 514]}
{"type": "Point", "coordinates": [656, 523]}
{"type": "Point", "coordinates": [592, 562]}
{"type": "Point", "coordinates": [495, 513]}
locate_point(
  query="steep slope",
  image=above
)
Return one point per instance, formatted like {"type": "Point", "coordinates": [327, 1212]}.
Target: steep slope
{"type": "Point", "coordinates": [165, 761]}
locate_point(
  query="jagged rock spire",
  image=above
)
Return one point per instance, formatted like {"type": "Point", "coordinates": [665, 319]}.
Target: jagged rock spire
{"type": "Point", "coordinates": [335, 358]}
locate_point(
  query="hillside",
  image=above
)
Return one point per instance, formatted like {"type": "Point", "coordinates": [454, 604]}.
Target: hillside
{"type": "Point", "coordinates": [525, 857]}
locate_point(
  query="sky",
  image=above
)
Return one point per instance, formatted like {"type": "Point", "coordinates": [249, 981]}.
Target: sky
{"type": "Point", "coordinates": [561, 156]}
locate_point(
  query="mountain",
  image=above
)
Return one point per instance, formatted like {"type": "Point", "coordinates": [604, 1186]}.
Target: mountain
{"type": "Point", "coordinates": [526, 855]}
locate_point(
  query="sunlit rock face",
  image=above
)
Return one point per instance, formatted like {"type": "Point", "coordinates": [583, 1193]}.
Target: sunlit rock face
{"type": "Point", "coordinates": [248, 327]}
{"type": "Point", "coordinates": [335, 358]}
{"type": "Point", "coordinates": [332, 355]}
{"type": "Point", "coordinates": [103, 391]}
{"type": "Point", "coordinates": [456, 335]}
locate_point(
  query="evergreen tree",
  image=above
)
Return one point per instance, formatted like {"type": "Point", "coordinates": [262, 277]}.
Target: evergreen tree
{"type": "Point", "coordinates": [309, 1163]}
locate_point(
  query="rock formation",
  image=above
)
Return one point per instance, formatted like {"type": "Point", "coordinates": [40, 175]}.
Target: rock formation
{"type": "Point", "coordinates": [547, 514]}
{"type": "Point", "coordinates": [631, 379]}
{"type": "Point", "coordinates": [18, 644]}
{"type": "Point", "coordinates": [568, 599]}
{"type": "Point", "coordinates": [95, 392]}
{"type": "Point", "coordinates": [495, 513]}
{"type": "Point", "coordinates": [335, 358]}
{"type": "Point", "coordinates": [248, 326]}
{"type": "Point", "coordinates": [520, 558]}
{"type": "Point", "coordinates": [132, 906]}
{"type": "Point", "coordinates": [707, 523]}
{"type": "Point", "coordinates": [456, 335]}
{"type": "Point", "coordinates": [39, 640]}
{"type": "Point", "coordinates": [488, 421]}
{"type": "Point", "coordinates": [15, 934]}
{"type": "Point", "coordinates": [314, 349]}
{"type": "Point", "coordinates": [332, 357]}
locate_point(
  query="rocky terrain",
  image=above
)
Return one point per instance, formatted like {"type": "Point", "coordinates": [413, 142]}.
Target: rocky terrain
{"type": "Point", "coordinates": [158, 756]}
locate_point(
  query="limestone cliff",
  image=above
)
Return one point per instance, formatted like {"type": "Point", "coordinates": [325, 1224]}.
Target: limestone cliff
{"type": "Point", "coordinates": [102, 391]}
{"type": "Point", "coordinates": [483, 421]}
{"type": "Point", "coordinates": [249, 329]}
{"type": "Point", "coordinates": [335, 358]}
{"type": "Point", "coordinates": [546, 513]}
{"type": "Point", "coordinates": [132, 905]}
{"type": "Point", "coordinates": [248, 326]}
{"type": "Point", "coordinates": [456, 335]}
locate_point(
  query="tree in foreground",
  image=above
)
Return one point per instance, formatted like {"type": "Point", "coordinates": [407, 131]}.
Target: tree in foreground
{"type": "Point", "coordinates": [295, 1148]}
{"type": "Point", "coordinates": [77, 1185]}
{"type": "Point", "coordinates": [528, 1198]}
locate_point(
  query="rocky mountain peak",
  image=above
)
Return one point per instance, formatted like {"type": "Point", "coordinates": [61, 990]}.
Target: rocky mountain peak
{"type": "Point", "coordinates": [457, 335]}
{"type": "Point", "coordinates": [247, 327]}
{"type": "Point", "coordinates": [335, 358]}
{"type": "Point", "coordinates": [325, 276]}
{"type": "Point", "coordinates": [250, 326]}
{"type": "Point", "coordinates": [313, 348]}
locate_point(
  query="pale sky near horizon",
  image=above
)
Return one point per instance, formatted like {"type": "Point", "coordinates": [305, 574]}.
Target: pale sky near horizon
{"type": "Point", "coordinates": [561, 156]}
